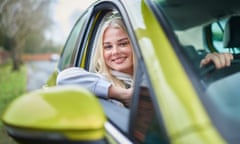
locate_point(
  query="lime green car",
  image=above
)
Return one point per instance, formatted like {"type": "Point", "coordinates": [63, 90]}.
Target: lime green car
{"type": "Point", "coordinates": [181, 103]}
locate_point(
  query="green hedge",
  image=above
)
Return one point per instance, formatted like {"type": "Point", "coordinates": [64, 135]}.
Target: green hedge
{"type": "Point", "coordinates": [12, 85]}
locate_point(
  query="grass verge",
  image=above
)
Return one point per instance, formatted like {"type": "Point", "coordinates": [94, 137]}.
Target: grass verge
{"type": "Point", "coordinates": [12, 85]}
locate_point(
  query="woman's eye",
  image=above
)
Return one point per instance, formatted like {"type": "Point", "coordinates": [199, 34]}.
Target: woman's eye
{"type": "Point", "coordinates": [107, 46]}
{"type": "Point", "coordinates": [123, 44]}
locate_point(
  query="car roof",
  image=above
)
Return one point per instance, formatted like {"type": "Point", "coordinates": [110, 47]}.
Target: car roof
{"type": "Point", "coordinates": [188, 13]}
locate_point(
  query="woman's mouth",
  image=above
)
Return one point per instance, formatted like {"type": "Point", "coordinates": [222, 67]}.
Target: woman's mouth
{"type": "Point", "coordinates": [119, 60]}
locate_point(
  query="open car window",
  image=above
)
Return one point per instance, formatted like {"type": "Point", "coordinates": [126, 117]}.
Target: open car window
{"type": "Point", "coordinates": [117, 115]}
{"type": "Point", "coordinates": [94, 45]}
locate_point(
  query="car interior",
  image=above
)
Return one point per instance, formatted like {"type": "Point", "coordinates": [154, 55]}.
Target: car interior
{"type": "Point", "coordinates": [220, 84]}
{"type": "Point", "coordinates": [226, 99]}
{"type": "Point", "coordinates": [230, 42]}
{"type": "Point", "coordinates": [195, 52]}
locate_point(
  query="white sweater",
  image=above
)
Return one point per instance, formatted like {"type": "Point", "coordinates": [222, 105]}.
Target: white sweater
{"type": "Point", "coordinates": [94, 82]}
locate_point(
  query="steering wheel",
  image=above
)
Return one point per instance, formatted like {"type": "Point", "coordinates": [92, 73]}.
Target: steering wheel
{"type": "Point", "coordinates": [210, 73]}
{"type": "Point", "coordinates": [210, 67]}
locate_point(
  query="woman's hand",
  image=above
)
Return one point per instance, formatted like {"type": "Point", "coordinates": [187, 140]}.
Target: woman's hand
{"type": "Point", "coordinates": [220, 60]}
{"type": "Point", "coordinates": [121, 94]}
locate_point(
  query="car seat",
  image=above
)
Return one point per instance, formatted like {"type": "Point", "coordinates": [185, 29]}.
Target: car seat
{"type": "Point", "coordinates": [231, 37]}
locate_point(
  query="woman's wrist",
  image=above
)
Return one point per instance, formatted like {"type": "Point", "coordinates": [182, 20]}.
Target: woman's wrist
{"type": "Point", "coordinates": [113, 92]}
{"type": "Point", "coordinates": [121, 94]}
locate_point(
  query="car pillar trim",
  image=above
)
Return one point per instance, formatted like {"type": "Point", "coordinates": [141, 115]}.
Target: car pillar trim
{"type": "Point", "coordinates": [120, 138]}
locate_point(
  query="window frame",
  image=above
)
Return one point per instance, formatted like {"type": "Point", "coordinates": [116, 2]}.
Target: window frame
{"type": "Point", "coordinates": [97, 15]}
{"type": "Point", "coordinates": [141, 70]}
{"type": "Point", "coordinates": [98, 12]}
{"type": "Point", "coordinates": [79, 25]}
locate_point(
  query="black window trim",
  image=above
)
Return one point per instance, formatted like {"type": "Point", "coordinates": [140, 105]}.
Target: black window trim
{"type": "Point", "coordinates": [82, 40]}
{"type": "Point", "coordinates": [99, 15]}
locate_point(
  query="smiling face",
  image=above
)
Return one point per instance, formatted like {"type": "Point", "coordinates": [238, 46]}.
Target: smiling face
{"type": "Point", "coordinates": [117, 51]}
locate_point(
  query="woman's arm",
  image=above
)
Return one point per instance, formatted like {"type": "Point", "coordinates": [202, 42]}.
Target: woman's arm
{"type": "Point", "coordinates": [78, 76]}
{"type": "Point", "coordinates": [95, 83]}
{"type": "Point", "coordinates": [121, 94]}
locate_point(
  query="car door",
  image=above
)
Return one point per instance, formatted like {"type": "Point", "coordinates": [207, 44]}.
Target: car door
{"type": "Point", "coordinates": [121, 126]}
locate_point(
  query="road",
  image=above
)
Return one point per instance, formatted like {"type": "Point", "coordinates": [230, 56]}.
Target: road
{"type": "Point", "coordinates": [38, 72]}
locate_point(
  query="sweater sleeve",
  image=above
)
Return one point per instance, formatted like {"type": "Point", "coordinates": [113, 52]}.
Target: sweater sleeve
{"type": "Point", "coordinates": [78, 76]}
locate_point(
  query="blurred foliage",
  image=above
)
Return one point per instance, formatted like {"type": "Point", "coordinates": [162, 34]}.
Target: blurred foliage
{"type": "Point", "coordinates": [22, 21]}
{"type": "Point", "coordinates": [38, 44]}
{"type": "Point", "coordinates": [13, 84]}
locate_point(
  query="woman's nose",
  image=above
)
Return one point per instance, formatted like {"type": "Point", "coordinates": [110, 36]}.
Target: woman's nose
{"type": "Point", "coordinates": [115, 50]}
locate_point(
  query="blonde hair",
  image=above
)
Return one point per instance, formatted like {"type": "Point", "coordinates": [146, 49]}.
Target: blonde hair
{"type": "Point", "coordinates": [99, 63]}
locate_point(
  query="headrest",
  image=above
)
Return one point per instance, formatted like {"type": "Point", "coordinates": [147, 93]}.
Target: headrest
{"type": "Point", "coordinates": [231, 37]}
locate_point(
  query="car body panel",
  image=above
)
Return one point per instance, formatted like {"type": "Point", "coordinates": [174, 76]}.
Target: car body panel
{"type": "Point", "coordinates": [171, 80]}
{"type": "Point", "coordinates": [51, 81]}
{"type": "Point", "coordinates": [78, 118]}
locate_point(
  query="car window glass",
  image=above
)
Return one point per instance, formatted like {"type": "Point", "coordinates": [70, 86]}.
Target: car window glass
{"type": "Point", "coordinates": [197, 42]}
{"type": "Point", "coordinates": [194, 49]}
{"type": "Point", "coordinates": [71, 44]}
{"type": "Point", "coordinates": [194, 40]}
{"type": "Point", "coordinates": [217, 30]}
{"type": "Point", "coordinates": [217, 35]}
{"type": "Point", "coordinates": [185, 37]}
{"type": "Point", "coordinates": [221, 99]}
{"type": "Point", "coordinates": [146, 127]}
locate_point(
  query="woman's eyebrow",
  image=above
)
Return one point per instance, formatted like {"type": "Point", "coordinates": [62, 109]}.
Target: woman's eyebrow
{"type": "Point", "coordinates": [123, 39]}
{"type": "Point", "coordinates": [106, 43]}
{"type": "Point", "coordinates": [120, 40]}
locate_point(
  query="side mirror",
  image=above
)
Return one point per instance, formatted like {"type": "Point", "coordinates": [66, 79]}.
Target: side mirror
{"type": "Point", "coordinates": [63, 114]}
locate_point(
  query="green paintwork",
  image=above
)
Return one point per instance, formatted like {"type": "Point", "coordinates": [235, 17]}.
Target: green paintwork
{"type": "Point", "coordinates": [181, 109]}
{"type": "Point", "coordinates": [71, 110]}
{"type": "Point", "coordinates": [52, 79]}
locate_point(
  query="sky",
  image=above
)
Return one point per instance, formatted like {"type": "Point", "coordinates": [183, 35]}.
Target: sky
{"type": "Point", "coordinates": [65, 14]}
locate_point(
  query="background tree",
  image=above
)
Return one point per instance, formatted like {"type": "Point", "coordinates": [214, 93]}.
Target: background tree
{"type": "Point", "coordinates": [37, 43]}
{"type": "Point", "coordinates": [18, 20]}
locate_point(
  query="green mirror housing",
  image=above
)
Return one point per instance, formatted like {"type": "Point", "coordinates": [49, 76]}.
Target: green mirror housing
{"type": "Point", "coordinates": [63, 113]}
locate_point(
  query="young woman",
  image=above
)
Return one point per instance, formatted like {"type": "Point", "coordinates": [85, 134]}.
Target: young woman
{"type": "Point", "coordinates": [113, 66]}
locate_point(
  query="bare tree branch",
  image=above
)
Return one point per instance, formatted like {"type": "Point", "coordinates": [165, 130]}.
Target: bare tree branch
{"type": "Point", "coordinates": [20, 18]}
